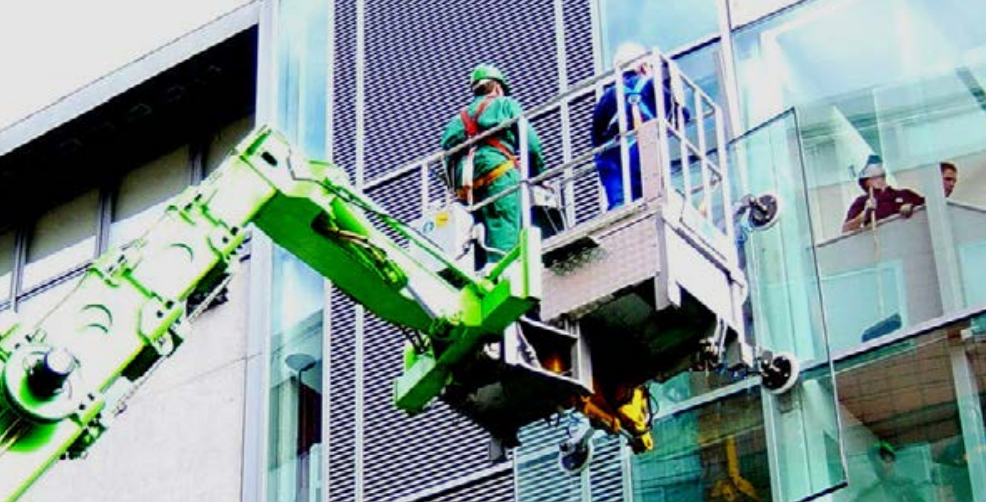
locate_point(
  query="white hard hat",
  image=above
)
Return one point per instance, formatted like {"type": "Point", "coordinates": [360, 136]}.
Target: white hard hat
{"type": "Point", "coordinates": [626, 52]}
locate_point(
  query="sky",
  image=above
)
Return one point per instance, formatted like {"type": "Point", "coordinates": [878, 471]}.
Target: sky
{"type": "Point", "coordinates": [51, 48]}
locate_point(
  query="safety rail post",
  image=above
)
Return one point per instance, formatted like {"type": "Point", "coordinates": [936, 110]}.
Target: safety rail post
{"type": "Point", "coordinates": [678, 127]}
{"type": "Point", "coordinates": [662, 124]}
{"type": "Point", "coordinates": [704, 161]}
{"type": "Point", "coordinates": [525, 166]}
{"type": "Point", "coordinates": [425, 194]}
{"type": "Point", "coordinates": [621, 120]}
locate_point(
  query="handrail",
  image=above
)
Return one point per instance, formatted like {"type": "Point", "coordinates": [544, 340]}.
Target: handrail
{"type": "Point", "coordinates": [702, 193]}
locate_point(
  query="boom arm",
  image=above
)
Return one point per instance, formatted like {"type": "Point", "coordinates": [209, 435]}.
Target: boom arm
{"type": "Point", "coordinates": [128, 310]}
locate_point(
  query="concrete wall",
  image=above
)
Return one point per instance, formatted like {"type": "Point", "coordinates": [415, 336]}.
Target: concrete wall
{"type": "Point", "coordinates": [181, 437]}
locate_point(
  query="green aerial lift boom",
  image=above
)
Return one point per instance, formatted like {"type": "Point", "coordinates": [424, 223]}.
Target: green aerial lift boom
{"type": "Point", "coordinates": [129, 309]}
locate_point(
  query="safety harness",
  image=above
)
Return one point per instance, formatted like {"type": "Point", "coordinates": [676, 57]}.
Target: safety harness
{"type": "Point", "coordinates": [639, 111]}
{"type": "Point", "coordinates": [470, 122]}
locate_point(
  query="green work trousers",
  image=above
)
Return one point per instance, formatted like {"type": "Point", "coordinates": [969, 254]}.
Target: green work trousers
{"type": "Point", "coordinates": [501, 219]}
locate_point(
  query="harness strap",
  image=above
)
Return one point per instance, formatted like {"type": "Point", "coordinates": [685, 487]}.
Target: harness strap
{"type": "Point", "coordinates": [470, 122]}
{"type": "Point", "coordinates": [484, 180]}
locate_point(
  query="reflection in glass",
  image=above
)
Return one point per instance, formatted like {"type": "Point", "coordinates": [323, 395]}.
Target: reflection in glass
{"type": "Point", "coordinates": [903, 432]}
{"type": "Point", "coordinates": [295, 399]}
{"type": "Point", "coordinates": [812, 53]}
{"type": "Point", "coordinates": [666, 24]}
{"type": "Point", "coordinates": [715, 452]}
{"type": "Point", "coordinates": [62, 238]}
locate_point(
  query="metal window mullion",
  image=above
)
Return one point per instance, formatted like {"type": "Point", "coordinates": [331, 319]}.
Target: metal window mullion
{"type": "Point", "coordinates": [730, 83]}
{"type": "Point", "coordinates": [330, 83]}
{"type": "Point", "coordinates": [359, 398]}
{"type": "Point", "coordinates": [104, 217]}
{"type": "Point", "coordinates": [566, 126]}
{"type": "Point", "coordinates": [970, 412]}
{"type": "Point", "coordinates": [20, 259]}
{"type": "Point", "coordinates": [360, 95]}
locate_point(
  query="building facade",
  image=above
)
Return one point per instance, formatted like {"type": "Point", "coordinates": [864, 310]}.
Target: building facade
{"type": "Point", "coordinates": [285, 391]}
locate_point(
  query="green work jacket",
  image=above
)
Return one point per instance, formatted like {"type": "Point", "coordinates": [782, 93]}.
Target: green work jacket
{"type": "Point", "coordinates": [500, 110]}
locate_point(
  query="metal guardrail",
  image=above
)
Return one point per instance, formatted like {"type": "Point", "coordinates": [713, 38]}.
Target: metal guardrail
{"type": "Point", "coordinates": [691, 164]}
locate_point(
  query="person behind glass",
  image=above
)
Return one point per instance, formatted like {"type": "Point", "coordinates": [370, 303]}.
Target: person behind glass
{"type": "Point", "coordinates": [880, 200]}
{"type": "Point", "coordinates": [949, 177]}
{"type": "Point", "coordinates": [640, 106]}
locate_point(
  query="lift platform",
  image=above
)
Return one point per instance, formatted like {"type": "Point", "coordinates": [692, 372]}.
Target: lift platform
{"type": "Point", "coordinates": [632, 295]}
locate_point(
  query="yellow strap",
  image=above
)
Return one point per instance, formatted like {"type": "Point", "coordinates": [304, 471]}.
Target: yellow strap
{"type": "Point", "coordinates": [484, 180]}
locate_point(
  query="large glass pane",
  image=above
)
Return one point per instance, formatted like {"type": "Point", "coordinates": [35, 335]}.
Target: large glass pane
{"type": "Point", "coordinates": [143, 193]}
{"type": "Point", "coordinates": [62, 238]}
{"type": "Point", "coordinates": [667, 24]}
{"type": "Point", "coordinates": [802, 426]}
{"type": "Point", "coordinates": [6, 262]}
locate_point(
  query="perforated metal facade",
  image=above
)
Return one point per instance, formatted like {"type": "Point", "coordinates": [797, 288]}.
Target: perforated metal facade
{"type": "Point", "coordinates": [414, 59]}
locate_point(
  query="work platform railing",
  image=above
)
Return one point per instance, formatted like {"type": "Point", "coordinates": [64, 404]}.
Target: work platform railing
{"type": "Point", "coordinates": [691, 160]}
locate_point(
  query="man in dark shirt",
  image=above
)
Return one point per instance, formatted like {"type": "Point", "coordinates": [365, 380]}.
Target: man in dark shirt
{"type": "Point", "coordinates": [880, 200]}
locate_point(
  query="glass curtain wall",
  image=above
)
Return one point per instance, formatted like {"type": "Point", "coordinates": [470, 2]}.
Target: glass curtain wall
{"type": "Point", "coordinates": [913, 101]}
{"type": "Point", "coordinates": [295, 371]}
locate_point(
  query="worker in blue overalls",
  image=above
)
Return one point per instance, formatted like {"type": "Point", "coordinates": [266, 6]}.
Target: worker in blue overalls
{"type": "Point", "coordinates": [640, 106]}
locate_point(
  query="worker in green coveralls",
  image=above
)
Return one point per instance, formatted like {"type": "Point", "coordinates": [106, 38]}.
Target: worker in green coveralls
{"type": "Point", "coordinates": [490, 166]}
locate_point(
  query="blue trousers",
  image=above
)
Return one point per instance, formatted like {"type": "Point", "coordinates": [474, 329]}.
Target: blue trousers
{"type": "Point", "coordinates": [608, 166]}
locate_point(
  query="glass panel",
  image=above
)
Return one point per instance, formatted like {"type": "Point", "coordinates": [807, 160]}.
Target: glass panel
{"type": "Point", "coordinates": [905, 434]}
{"type": "Point", "coordinates": [143, 193]}
{"type": "Point", "coordinates": [7, 250]}
{"type": "Point", "coordinates": [223, 141]}
{"type": "Point", "coordinates": [812, 53]}
{"type": "Point", "coordinates": [802, 425]}
{"type": "Point", "coordinates": [667, 24]}
{"type": "Point", "coordinates": [295, 435]}
{"type": "Point", "coordinates": [62, 238]}
{"type": "Point", "coordinates": [899, 271]}
{"type": "Point", "coordinates": [715, 452]}
{"type": "Point", "coordinates": [296, 374]}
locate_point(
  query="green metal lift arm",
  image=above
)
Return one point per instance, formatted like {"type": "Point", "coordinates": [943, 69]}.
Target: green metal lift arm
{"type": "Point", "coordinates": [128, 311]}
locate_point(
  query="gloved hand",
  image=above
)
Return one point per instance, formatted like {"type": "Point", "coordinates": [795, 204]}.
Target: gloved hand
{"type": "Point", "coordinates": [906, 210]}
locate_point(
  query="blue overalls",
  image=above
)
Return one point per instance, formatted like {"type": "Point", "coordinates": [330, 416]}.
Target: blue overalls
{"type": "Point", "coordinates": [606, 127]}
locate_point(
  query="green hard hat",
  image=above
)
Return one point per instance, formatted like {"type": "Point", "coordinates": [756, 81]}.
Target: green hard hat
{"type": "Point", "coordinates": [488, 72]}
